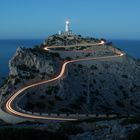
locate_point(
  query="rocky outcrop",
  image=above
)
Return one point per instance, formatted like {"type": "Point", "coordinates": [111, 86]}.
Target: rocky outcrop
{"type": "Point", "coordinates": [109, 85]}
{"type": "Point", "coordinates": [106, 86]}
{"type": "Point", "coordinates": [64, 39]}
{"type": "Point", "coordinates": [30, 61]}
{"type": "Point", "coordinates": [99, 86]}
{"type": "Point", "coordinates": [28, 65]}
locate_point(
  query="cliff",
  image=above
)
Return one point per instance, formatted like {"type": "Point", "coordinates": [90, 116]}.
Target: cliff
{"type": "Point", "coordinates": [100, 86]}
{"type": "Point", "coordinates": [103, 86]}
{"type": "Point", "coordinates": [28, 65]}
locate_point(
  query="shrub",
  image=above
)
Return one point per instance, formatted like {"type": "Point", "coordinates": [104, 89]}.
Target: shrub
{"type": "Point", "coordinates": [42, 97]}
{"type": "Point", "coordinates": [94, 67]}
{"type": "Point", "coordinates": [80, 66]}
{"type": "Point", "coordinates": [58, 98]}
{"type": "Point", "coordinates": [69, 129]}
{"type": "Point", "coordinates": [26, 133]}
{"type": "Point", "coordinates": [17, 81]}
{"type": "Point", "coordinates": [68, 58]}
{"type": "Point", "coordinates": [94, 81]}
{"type": "Point", "coordinates": [120, 87]}
{"type": "Point", "coordinates": [40, 105]}
{"type": "Point", "coordinates": [96, 92]}
{"type": "Point", "coordinates": [50, 102]}
{"type": "Point", "coordinates": [124, 76]}
{"type": "Point", "coordinates": [55, 54]}
{"type": "Point", "coordinates": [119, 104]}
{"type": "Point", "coordinates": [134, 135]}
{"type": "Point", "coordinates": [134, 120]}
{"type": "Point", "coordinates": [30, 106]}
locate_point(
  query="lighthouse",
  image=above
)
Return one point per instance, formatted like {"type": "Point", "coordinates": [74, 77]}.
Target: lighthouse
{"type": "Point", "coordinates": [67, 26]}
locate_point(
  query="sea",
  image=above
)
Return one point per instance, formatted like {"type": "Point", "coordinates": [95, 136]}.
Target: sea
{"type": "Point", "coordinates": [8, 48]}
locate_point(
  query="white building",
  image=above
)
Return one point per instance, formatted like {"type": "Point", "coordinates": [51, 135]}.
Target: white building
{"type": "Point", "coordinates": [67, 26]}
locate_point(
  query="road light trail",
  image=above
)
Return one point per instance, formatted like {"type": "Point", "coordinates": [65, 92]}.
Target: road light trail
{"type": "Point", "coordinates": [9, 104]}
{"type": "Point", "coordinates": [47, 48]}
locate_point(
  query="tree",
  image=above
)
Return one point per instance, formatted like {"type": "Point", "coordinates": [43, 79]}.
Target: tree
{"type": "Point", "coordinates": [40, 105]}
{"type": "Point", "coordinates": [30, 106]}
{"type": "Point", "coordinates": [68, 58]}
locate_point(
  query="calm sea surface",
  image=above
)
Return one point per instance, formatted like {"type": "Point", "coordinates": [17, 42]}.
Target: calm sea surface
{"type": "Point", "coordinates": [8, 48]}
{"type": "Point", "coordinates": [131, 47]}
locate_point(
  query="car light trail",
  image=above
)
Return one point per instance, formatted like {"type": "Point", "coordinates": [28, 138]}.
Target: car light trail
{"type": "Point", "coordinates": [9, 105]}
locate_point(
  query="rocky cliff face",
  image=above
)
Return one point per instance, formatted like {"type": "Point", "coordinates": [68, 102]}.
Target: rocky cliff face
{"type": "Point", "coordinates": [100, 86]}
{"type": "Point", "coordinates": [108, 86]}
{"type": "Point", "coordinates": [28, 65]}
{"type": "Point", "coordinates": [29, 61]}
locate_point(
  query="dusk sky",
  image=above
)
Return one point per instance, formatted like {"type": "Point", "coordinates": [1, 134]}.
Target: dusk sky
{"type": "Point", "coordinates": [112, 19]}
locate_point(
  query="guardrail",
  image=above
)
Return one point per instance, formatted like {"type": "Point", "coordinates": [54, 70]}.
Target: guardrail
{"type": "Point", "coordinates": [76, 115]}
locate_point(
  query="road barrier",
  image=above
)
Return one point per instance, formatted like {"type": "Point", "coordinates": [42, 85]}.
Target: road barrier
{"type": "Point", "coordinates": [76, 115]}
{"type": "Point", "coordinates": [36, 113]}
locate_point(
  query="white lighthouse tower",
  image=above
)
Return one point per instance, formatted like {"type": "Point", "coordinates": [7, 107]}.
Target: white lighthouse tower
{"type": "Point", "coordinates": [67, 26]}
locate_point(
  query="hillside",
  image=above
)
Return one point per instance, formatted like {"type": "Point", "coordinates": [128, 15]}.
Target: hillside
{"type": "Point", "coordinates": [101, 86]}
{"type": "Point", "coordinates": [99, 79]}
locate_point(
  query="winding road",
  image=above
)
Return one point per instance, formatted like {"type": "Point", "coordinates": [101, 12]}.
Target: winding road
{"type": "Point", "coordinates": [11, 108]}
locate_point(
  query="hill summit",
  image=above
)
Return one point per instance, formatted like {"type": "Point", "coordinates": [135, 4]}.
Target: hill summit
{"type": "Point", "coordinates": [71, 39]}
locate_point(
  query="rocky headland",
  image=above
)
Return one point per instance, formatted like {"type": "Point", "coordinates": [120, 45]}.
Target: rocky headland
{"type": "Point", "coordinates": [107, 86]}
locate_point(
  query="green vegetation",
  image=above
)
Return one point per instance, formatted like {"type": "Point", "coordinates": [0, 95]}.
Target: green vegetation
{"type": "Point", "coordinates": [26, 133]}
{"type": "Point", "coordinates": [91, 120]}
{"type": "Point", "coordinates": [87, 55]}
{"type": "Point", "coordinates": [55, 54]}
{"type": "Point", "coordinates": [84, 85]}
{"type": "Point", "coordinates": [69, 129]}
{"type": "Point", "coordinates": [17, 80]}
{"type": "Point", "coordinates": [36, 48]}
{"type": "Point", "coordinates": [30, 106]}
{"type": "Point", "coordinates": [119, 49]}
{"type": "Point", "coordinates": [40, 105]}
{"type": "Point", "coordinates": [80, 66]}
{"type": "Point", "coordinates": [58, 98]}
{"type": "Point", "coordinates": [24, 67]}
{"type": "Point", "coordinates": [120, 104]}
{"type": "Point", "coordinates": [66, 110]}
{"type": "Point", "coordinates": [133, 120]}
{"type": "Point", "coordinates": [51, 102]}
{"type": "Point", "coordinates": [5, 81]}
{"type": "Point", "coordinates": [68, 58]}
{"type": "Point", "coordinates": [125, 94]}
{"type": "Point", "coordinates": [52, 89]}
{"type": "Point", "coordinates": [42, 97]}
{"type": "Point", "coordinates": [134, 135]}
{"type": "Point", "coordinates": [93, 67]}
{"type": "Point", "coordinates": [82, 48]}
{"type": "Point", "coordinates": [124, 76]}
{"type": "Point", "coordinates": [94, 81]}
{"type": "Point", "coordinates": [49, 90]}
{"type": "Point", "coordinates": [78, 103]}
{"type": "Point", "coordinates": [120, 87]}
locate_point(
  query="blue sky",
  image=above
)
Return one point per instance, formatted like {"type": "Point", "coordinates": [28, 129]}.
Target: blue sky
{"type": "Point", "coordinates": [113, 19]}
